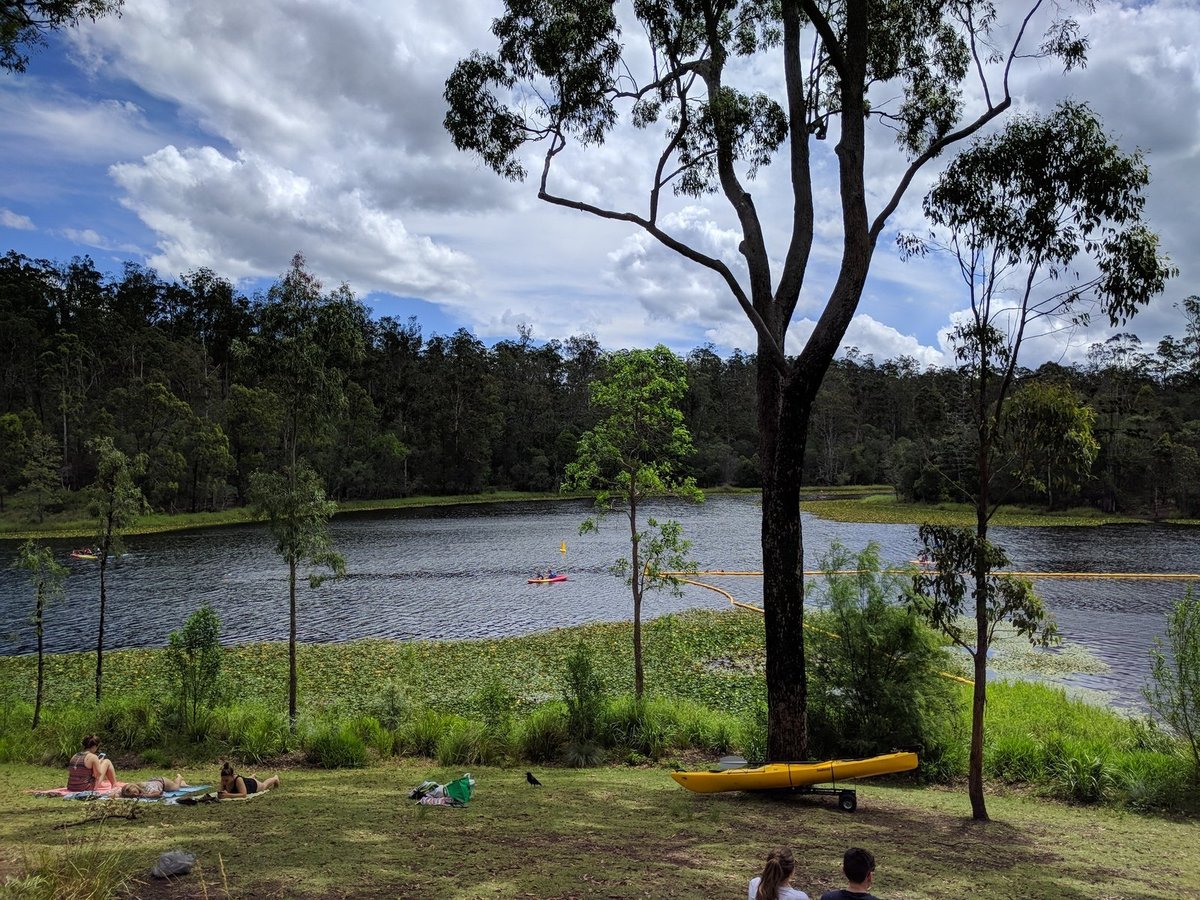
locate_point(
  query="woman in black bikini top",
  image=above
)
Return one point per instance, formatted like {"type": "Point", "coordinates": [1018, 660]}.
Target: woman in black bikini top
{"type": "Point", "coordinates": [234, 785]}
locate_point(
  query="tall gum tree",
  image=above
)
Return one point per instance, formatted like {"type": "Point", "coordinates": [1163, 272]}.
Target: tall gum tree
{"type": "Point", "coordinates": [1044, 219]}
{"type": "Point", "coordinates": [563, 77]}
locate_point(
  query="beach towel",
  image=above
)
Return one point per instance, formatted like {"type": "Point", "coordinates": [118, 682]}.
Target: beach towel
{"type": "Point", "coordinates": [115, 793]}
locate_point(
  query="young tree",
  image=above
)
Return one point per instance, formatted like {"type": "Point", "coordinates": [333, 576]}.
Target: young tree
{"type": "Point", "coordinates": [1027, 209]}
{"type": "Point", "coordinates": [297, 512]}
{"type": "Point", "coordinates": [1175, 693]}
{"type": "Point", "coordinates": [561, 75]}
{"type": "Point", "coordinates": [42, 470]}
{"type": "Point", "coordinates": [634, 453]}
{"type": "Point", "coordinates": [46, 577]}
{"type": "Point", "coordinates": [194, 665]}
{"type": "Point", "coordinates": [116, 502]}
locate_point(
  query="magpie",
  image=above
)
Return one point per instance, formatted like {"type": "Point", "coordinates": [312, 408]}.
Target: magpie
{"type": "Point", "coordinates": [529, 777]}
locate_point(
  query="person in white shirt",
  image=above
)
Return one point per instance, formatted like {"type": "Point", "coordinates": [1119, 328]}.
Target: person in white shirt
{"type": "Point", "coordinates": [775, 881]}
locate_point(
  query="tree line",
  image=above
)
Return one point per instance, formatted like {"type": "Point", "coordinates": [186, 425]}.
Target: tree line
{"type": "Point", "coordinates": [207, 386]}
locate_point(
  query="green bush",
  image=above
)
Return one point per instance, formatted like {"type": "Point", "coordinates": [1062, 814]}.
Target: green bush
{"type": "Point", "coordinates": [336, 746]}
{"type": "Point", "coordinates": [372, 733]}
{"type": "Point", "coordinates": [704, 729]}
{"type": "Point", "coordinates": [645, 726]}
{"type": "Point", "coordinates": [875, 681]}
{"type": "Point", "coordinates": [391, 707]}
{"type": "Point", "coordinates": [1015, 758]}
{"type": "Point", "coordinates": [1080, 775]}
{"type": "Point", "coordinates": [464, 743]}
{"type": "Point", "coordinates": [1174, 692]}
{"type": "Point", "coordinates": [252, 732]}
{"type": "Point", "coordinates": [753, 741]}
{"type": "Point", "coordinates": [583, 693]}
{"type": "Point", "coordinates": [543, 734]}
{"type": "Point", "coordinates": [193, 670]}
{"type": "Point", "coordinates": [128, 724]}
{"type": "Point", "coordinates": [421, 735]}
{"type": "Point", "coordinates": [1152, 780]}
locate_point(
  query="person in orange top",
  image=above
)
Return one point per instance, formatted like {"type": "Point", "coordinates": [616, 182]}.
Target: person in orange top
{"type": "Point", "coordinates": [88, 769]}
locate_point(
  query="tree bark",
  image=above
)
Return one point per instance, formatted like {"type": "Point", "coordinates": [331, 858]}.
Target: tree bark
{"type": "Point", "coordinates": [292, 643]}
{"type": "Point", "coordinates": [37, 702]}
{"type": "Point", "coordinates": [639, 675]}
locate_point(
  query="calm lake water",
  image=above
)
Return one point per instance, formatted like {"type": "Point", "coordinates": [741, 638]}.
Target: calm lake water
{"type": "Point", "coordinates": [456, 572]}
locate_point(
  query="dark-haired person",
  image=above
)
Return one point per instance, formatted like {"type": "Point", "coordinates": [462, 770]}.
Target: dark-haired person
{"type": "Point", "coordinates": [775, 881]}
{"type": "Point", "coordinates": [88, 770]}
{"type": "Point", "coordinates": [858, 865]}
{"type": "Point", "coordinates": [234, 785]}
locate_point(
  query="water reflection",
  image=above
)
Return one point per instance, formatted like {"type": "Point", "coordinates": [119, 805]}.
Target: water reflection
{"type": "Point", "coordinates": [456, 572]}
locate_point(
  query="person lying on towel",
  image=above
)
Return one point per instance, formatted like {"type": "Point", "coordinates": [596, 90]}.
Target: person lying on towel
{"type": "Point", "coordinates": [154, 788]}
{"type": "Point", "coordinates": [234, 785]}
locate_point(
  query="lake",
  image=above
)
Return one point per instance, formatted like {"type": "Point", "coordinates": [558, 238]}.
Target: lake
{"type": "Point", "coordinates": [460, 572]}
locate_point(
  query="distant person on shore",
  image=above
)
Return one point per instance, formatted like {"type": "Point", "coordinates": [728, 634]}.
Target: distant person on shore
{"type": "Point", "coordinates": [775, 881]}
{"type": "Point", "coordinates": [858, 865]}
{"type": "Point", "coordinates": [89, 769]}
{"type": "Point", "coordinates": [234, 785]}
{"type": "Point", "coordinates": [154, 788]}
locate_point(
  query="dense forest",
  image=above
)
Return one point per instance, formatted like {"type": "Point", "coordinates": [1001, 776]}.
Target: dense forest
{"type": "Point", "coordinates": [204, 386]}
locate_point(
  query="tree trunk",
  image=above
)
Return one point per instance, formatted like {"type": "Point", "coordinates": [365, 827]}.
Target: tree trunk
{"type": "Point", "coordinates": [979, 692]}
{"type": "Point", "coordinates": [783, 576]}
{"type": "Point", "coordinates": [100, 630]}
{"type": "Point", "coordinates": [639, 675]}
{"type": "Point", "coordinates": [292, 643]}
{"type": "Point", "coordinates": [37, 701]}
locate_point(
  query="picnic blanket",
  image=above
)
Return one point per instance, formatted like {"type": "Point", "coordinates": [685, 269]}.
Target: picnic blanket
{"type": "Point", "coordinates": [115, 792]}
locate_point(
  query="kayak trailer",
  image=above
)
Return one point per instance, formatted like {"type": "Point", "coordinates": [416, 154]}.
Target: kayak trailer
{"type": "Point", "coordinates": [732, 774]}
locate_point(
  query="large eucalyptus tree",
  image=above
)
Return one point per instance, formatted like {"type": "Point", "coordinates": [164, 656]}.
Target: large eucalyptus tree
{"type": "Point", "coordinates": [563, 76]}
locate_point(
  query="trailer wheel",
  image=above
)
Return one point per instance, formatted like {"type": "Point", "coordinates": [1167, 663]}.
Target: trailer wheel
{"type": "Point", "coordinates": [848, 801]}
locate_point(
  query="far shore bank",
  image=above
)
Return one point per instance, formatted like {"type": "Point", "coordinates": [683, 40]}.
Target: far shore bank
{"type": "Point", "coordinates": [867, 504]}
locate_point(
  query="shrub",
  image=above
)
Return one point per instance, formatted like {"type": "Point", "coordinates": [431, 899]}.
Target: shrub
{"type": "Point", "coordinates": [391, 707]}
{"type": "Point", "coordinates": [753, 741]}
{"type": "Point", "coordinates": [336, 747]}
{"type": "Point", "coordinates": [543, 734]}
{"type": "Point", "coordinates": [128, 724]}
{"type": "Point", "coordinates": [193, 669]}
{"type": "Point", "coordinates": [1082, 776]}
{"type": "Point", "coordinates": [1175, 691]}
{"type": "Point", "coordinates": [252, 731]}
{"type": "Point", "coordinates": [582, 754]}
{"type": "Point", "coordinates": [875, 666]}
{"type": "Point", "coordinates": [645, 726]}
{"type": "Point", "coordinates": [1015, 758]}
{"type": "Point", "coordinates": [423, 732]}
{"type": "Point", "coordinates": [710, 731]}
{"type": "Point", "coordinates": [1151, 780]}
{"type": "Point", "coordinates": [583, 693]}
{"type": "Point", "coordinates": [463, 743]}
{"type": "Point", "coordinates": [372, 733]}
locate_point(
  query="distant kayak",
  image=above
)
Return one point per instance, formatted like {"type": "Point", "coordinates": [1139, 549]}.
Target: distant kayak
{"type": "Point", "coordinates": [84, 554]}
{"type": "Point", "coordinates": [556, 578]}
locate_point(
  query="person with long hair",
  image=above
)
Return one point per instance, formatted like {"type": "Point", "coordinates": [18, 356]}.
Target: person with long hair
{"type": "Point", "coordinates": [235, 785]}
{"type": "Point", "coordinates": [775, 881]}
{"type": "Point", "coordinates": [89, 769]}
{"type": "Point", "coordinates": [154, 788]}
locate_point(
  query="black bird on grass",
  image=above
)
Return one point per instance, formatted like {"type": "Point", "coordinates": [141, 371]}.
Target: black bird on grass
{"type": "Point", "coordinates": [529, 777]}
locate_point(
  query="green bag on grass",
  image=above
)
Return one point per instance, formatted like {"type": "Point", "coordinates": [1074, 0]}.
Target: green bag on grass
{"type": "Point", "coordinates": [461, 789]}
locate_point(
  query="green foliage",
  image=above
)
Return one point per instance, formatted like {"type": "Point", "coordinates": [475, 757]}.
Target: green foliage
{"type": "Point", "coordinates": [1175, 691]}
{"type": "Point", "coordinates": [46, 577]}
{"type": "Point", "coordinates": [251, 731]}
{"type": "Point", "coordinates": [875, 682]}
{"type": "Point", "coordinates": [584, 695]}
{"type": "Point", "coordinates": [193, 665]}
{"type": "Point", "coordinates": [422, 733]}
{"type": "Point", "coordinates": [466, 743]}
{"type": "Point", "coordinates": [335, 746]}
{"type": "Point", "coordinates": [91, 868]}
{"type": "Point", "coordinates": [940, 593]}
{"type": "Point", "coordinates": [544, 733]}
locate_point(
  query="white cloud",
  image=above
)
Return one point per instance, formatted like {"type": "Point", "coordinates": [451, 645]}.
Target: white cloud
{"type": "Point", "coordinates": [16, 221]}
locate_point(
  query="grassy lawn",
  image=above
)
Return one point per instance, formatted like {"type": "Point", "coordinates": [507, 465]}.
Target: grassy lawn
{"type": "Point", "coordinates": [615, 832]}
{"type": "Point", "coordinates": [884, 508]}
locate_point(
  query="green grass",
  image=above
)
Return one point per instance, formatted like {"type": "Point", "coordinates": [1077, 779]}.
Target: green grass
{"type": "Point", "coordinates": [884, 508]}
{"type": "Point", "coordinates": [615, 833]}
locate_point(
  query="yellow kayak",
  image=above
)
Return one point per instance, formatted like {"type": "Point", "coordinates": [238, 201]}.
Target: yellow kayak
{"type": "Point", "coordinates": [776, 776]}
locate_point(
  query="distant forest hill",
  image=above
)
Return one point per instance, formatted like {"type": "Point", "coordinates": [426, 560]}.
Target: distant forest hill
{"type": "Point", "coordinates": [197, 381]}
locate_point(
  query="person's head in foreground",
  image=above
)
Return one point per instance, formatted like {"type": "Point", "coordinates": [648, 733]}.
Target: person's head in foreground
{"type": "Point", "coordinates": [775, 874]}
{"type": "Point", "coordinates": [858, 865]}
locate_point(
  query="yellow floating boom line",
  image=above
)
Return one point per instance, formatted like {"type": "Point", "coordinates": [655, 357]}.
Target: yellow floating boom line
{"type": "Point", "coordinates": [685, 578]}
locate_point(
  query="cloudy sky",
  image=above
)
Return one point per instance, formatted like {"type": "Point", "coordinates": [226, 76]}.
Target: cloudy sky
{"type": "Point", "coordinates": [231, 135]}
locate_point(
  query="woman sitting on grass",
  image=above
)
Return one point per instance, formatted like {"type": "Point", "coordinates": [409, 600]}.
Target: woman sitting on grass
{"type": "Point", "coordinates": [88, 769]}
{"type": "Point", "coordinates": [775, 882]}
{"type": "Point", "coordinates": [153, 788]}
{"type": "Point", "coordinates": [234, 785]}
